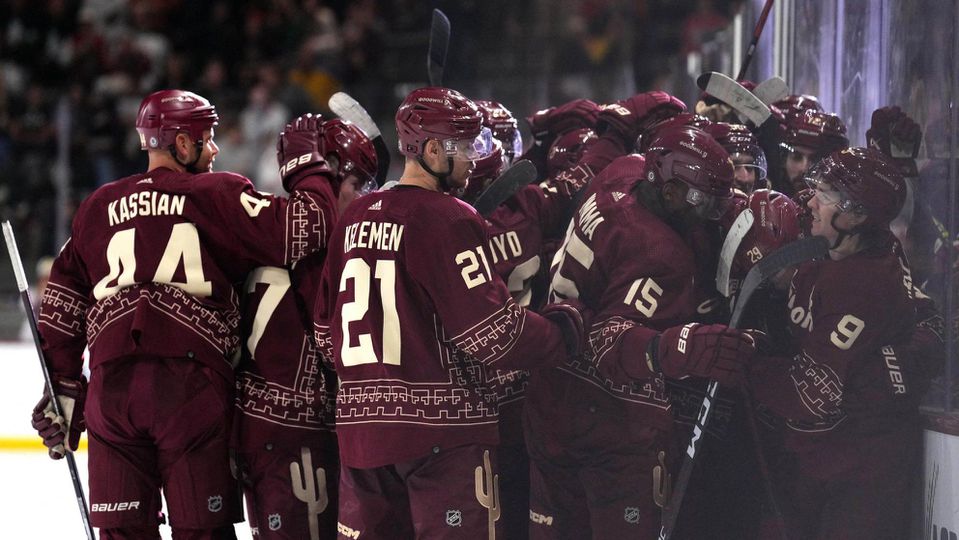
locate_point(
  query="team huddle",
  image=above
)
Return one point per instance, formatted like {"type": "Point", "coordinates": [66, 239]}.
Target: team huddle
{"type": "Point", "coordinates": [384, 362]}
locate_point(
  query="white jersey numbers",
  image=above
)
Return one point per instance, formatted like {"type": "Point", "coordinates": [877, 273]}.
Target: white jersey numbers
{"type": "Point", "coordinates": [360, 273]}
{"type": "Point", "coordinates": [183, 245]}
{"type": "Point", "coordinates": [643, 295]}
{"type": "Point", "coordinates": [847, 331]}
{"type": "Point", "coordinates": [277, 282]}
{"type": "Point", "coordinates": [469, 263]}
{"type": "Point", "coordinates": [252, 205]}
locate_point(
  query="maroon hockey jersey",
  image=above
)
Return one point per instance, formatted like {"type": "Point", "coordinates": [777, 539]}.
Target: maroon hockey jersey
{"type": "Point", "coordinates": [281, 382]}
{"type": "Point", "coordinates": [841, 313]}
{"type": "Point", "coordinates": [153, 260]}
{"type": "Point", "coordinates": [637, 274]}
{"type": "Point", "coordinates": [413, 314]}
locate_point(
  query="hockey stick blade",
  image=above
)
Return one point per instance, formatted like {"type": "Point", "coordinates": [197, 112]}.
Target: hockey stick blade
{"type": "Point", "coordinates": [730, 92]}
{"type": "Point", "coordinates": [744, 221]}
{"type": "Point", "coordinates": [789, 255]}
{"type": "Point", "coordinates": [771, 90]}
{"type": "Point", "coordinates": [24, 289]}
{"type": "Point", "coordinates": [347, 108]}
{"type": "Point", "coordinates": [439, 43]}
{"type": "Point", "coordinates": [520, 175]}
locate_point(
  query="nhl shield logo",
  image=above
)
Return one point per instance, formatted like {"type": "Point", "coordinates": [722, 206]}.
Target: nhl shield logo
{"type": "Point", "coordinates": [631, 515]}
{"type": "Point", "coordinates": [274, 522]}
{"type": "Point", "coordinates": [454, 518]}
{"type": "Point", "coordinates": [214, 503]}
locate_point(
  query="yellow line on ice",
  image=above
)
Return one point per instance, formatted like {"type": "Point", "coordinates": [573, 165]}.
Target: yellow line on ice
{"type": "Point", "coordinates": [24, 444]}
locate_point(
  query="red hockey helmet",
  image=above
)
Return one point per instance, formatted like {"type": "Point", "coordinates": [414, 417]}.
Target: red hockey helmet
{"type": "Point", "coordinates": [485, 171]}
{"type": "Point", "coordinates": [567, 149]}
{"type": "Point", "coordinates": [860, 180]}
{"type": "Point", "coordinates": [690, 155]}
{"type": "Point", "coordinates": [352, 149]}
{"type": "Point", "coordinates": [822, 132]}
{"type": "Point", "coordinates": [775, 224]}
{"type": "Point", "coordinates": [165, 113]}
{"type": "Point", "coordinates": [442, 114]}
{"type": "Point", "coordinates": [740, 143]}
{"type": "Point", "coordinates": [680, 120]}
{"type": "Point", "coordinates": [503, 124]}
{"type": "Point", "coordinates": [797, 104]}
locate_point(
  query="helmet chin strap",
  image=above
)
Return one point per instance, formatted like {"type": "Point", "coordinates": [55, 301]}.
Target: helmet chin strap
{"type": "Point", "coordinates": [442, 178]}
{"type": "Point", "coordinates": [191, 166]}
{"type": "Point", "coordinates": [843, 233]}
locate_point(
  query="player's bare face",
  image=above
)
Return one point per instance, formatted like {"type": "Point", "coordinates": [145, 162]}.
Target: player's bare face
{"type": "Point", "coordinates": [208, 152]}
{"type": "Point", "coordinates": [462, 169]}
{"type": "Point", "coordinates": [798, 162]}
{"type": "Point", "coordinates": [824, 206]}
{"type": "Point", "coordinates": [353, 188]}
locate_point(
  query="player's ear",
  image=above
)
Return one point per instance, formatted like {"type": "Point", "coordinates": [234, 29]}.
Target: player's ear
{"type": "Point", "coordinates": [182, 145]}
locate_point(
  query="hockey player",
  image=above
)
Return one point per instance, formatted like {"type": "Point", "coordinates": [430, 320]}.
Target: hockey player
{"type": "Point", "coordinates": [520, 228]}
{"type": "Point", "coordinates": [849, 449]}
{"type": "Point", "coordinates": [599, 426]}
{"type": "Point", "coordinates": [504, 128]}
{"type": "Point", "coordinates": [808, 138]}
{"type": "Point", "coordinates": [146, 281]}
{"type": "Point", "coordinates": [749, 160]}
{"type": "Point", "coordinates": [413, 314]}
{"type": "Point", "coordinates": [285, 395]}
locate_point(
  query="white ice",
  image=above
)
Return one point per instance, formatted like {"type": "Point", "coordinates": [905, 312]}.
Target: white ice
{"type": "Point", "coordinates": [36, 494]}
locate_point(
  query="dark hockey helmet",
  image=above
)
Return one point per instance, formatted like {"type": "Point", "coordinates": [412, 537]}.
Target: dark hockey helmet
{"type": "Point", "coordinates": [860, 180]}
{"type": "Point", "coordinates": [437, 113]}
{"type": "Point", "coordinates": [485, 170]}
{"type": "Point", "coordinates": [823, 132]}
{"type": "Point", "coordinates": [775, 224]}
{"type": "Point", "coordinates": [797, 104]}
{"type": "Point", "coordinates": [680, 120]}
{"type": "Point", "coordinates": [690, 155]}
{"type": "Point", "coordinates": [503, 124]}
{"type": "Point", "coordinates": [567, 149]}
{"type": "Point", "coordinates": [165, 113]}
{"type": "Point", "coordinates": [352, 149]}
{"type": "Point", "coordinates": [742, 145]}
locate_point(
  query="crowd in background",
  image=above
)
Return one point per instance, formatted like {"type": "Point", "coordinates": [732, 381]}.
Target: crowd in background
{"type": "Point", "coordinates": [72, 73]}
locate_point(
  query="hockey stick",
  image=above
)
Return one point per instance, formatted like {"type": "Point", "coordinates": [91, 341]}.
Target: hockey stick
{"type": "Point", "coordinates": [24, 288]}
{"type": "Point", "coordinates": [520, 175]}
{"type": "Point", "coordinates": [789, 255]}
{"type": "Point", "coordinates": [349, 109]}
{"type": "Point", "coordinates": [760, 24]}
{"type": "Point", "coordinates": [730, 92]}
{"type": "Point", "coordinates": [744, 221]}
{"type": "Point", "coordinates": [771, 90]}
{"type": "Point", "coordinates": [439, 44]}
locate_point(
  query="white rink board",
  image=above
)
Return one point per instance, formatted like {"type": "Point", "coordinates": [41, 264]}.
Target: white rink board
{"type": "Point", "coordinates": [941, 493]}
{"type": "Point", "coordinates": [36, 494]}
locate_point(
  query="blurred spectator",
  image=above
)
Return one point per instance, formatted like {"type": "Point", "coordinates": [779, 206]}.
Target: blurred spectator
{"type": "Point", "coordinates": [261, 119]}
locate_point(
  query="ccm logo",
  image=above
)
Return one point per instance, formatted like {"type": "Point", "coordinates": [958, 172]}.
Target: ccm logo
{"type": "Point", "coordinates": [295, 162]}
{"type": "Point", "coordinates": [346, 531]}
{"type": "Point", "coordinates": [115, 507]}
{"type": "Point", "coordinates": [540, 519]}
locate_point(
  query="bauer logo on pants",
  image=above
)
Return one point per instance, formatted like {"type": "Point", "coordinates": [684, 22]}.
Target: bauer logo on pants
{"type": "Point", "coordinates": [214, 503]}
{"type": "Point", "coordinates": [454, 518]}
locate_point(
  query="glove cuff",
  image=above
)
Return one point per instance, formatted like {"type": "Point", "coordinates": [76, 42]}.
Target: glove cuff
{"type": "Point", "coordinates": [652, 355]}
{"type": "Point", "coordinates": [291, 180]}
